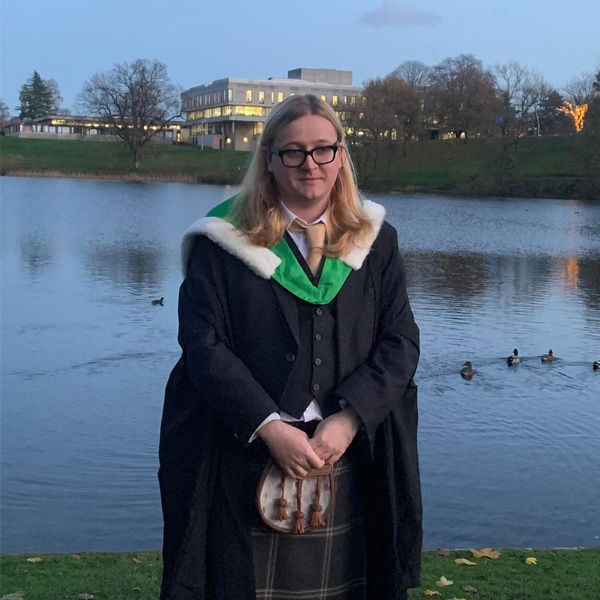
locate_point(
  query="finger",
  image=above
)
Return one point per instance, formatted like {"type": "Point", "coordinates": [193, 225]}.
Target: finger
{"type": "Point", "coordinates": [314, 460]}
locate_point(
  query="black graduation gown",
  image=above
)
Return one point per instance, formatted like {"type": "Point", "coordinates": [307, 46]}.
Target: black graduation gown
{"type": "Point", "coordinates": [236, 330]}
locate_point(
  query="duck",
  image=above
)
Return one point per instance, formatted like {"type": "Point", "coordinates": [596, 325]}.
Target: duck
{"type": "Point", "coordinates": [597, 365]}
{"type": "Point", "coordinates": [548, 357]}
{"type": "Point", "coordinates": [513, 359]}
{"type": "Point", "coordinates": [159, 302]}
{"type": "Point", "coordinates": [467, 371]}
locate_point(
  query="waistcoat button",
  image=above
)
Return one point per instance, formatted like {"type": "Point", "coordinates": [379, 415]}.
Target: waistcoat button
{"type": "Point", "coordinates": [319, 311]}
{"type": "Point", "coordinates": [290, 357]}
{"type": "Point", "coordinates": [318, 337]}
{"type": "Point", "coordinates": [317, 361]}
{"type": "Point", "coordinates": [316, 387]}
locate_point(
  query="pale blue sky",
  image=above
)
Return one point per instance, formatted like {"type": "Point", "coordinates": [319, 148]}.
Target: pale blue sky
{"type": "Point", "coordinates": [70, 40]}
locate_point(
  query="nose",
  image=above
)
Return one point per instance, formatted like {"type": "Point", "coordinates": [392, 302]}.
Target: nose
{"type": "Point", "coordinates": [308, 166]}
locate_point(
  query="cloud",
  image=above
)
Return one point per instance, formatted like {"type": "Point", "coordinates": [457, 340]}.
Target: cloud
{"type": "Point", "coordinates": [399, 13]}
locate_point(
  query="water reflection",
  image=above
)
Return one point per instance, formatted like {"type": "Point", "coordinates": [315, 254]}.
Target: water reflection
{"type": "Point", "coordinates": [127, 264]}
{"type": "Point", "coordinates": [504, 457]}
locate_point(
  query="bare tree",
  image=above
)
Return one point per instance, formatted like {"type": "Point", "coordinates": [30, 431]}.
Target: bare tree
{"type": "Point", "coordinates": [137, 99]}
{"type": "Point", "coordinates": [465, 95]}
{"type": "Point", "coordinates": [511, 81]}
{"type": "Point", "coordinates": [580, 90]}
{"type": "Point", "coordinates": [57, 99]}
{"type": "Point", "coordinates": [405, 105]}
{"type": "Point", "coordinates": [414, 72]}
{"type": "Point", "coordinates": [4, 113]}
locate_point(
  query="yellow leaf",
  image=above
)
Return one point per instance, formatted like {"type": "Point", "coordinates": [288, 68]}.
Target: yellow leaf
{"type": "Point", "coordinates": [486, 553]}
{"type": "Point", "coordinates": [137, 561]}
{"type": "Point", "coordinates": [464, 561]}
{"type": "Point", "coordinates": [15, 596]}
{"type": "Point", "coordinates": [531, 560]}
{"type": "Point", "coordinates": [458, 599]}
{"type": "Point", "coordinates": [35, 559]}
{"type": "Point", "coordinates": [432, 593]}
{"type": "Point", "coordinates": [443, 582]}
{"type": "Point", "coordinates": [470, 588]}
{"type": "Point", "coordinates": [76, 556]}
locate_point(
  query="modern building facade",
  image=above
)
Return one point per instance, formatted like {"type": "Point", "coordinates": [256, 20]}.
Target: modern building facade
{"type": "Point", "coordinates": [230, 113]}
{"type": "Point", "coordinates": [72, 127]}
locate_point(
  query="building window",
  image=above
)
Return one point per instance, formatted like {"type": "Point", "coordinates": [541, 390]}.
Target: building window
{"type": "Point", "coordinates": [248, 95]}
{"type": "Point", "coordinates": [324, 97]}
{"type": "Point", "coordinates": [279, 96]}
{"type": "Point", "coordinates": [292, 94]}
{"type": "Point", "coordinates": [227, 111]}
{"type": "Point", "coordinates": [345, 99]}
{"type": "Point", "coordinates": [261, 97]}
{"type": "Point", "coordinates": [229, 95]}
{"type": "Point", "coordinates": [334, 100]}
{"type": "Point", "coordinates": [272, 97]}
{"type": "Point", "coordinates": [257, 128]}
{"type": "Point", "coordinates": [352, 100]}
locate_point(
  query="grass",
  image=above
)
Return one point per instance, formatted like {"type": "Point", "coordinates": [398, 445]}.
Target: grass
{"type": "Point", "coordinates": [559, 575]}
{"type": "Point", "coordinates": [565, 166]}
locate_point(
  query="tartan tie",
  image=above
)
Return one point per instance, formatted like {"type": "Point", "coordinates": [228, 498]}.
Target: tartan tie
{"type": "Point", "coordinates": [315, 240]}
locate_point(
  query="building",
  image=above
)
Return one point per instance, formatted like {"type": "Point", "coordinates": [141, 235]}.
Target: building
{"type": "Point", "coordinates": [72, 127]}
{"type": "Point", "coordinates": [230, 113]}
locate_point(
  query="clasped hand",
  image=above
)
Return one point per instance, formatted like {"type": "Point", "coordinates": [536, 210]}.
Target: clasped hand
{"type": "Point", "coordinates": [297, 454]}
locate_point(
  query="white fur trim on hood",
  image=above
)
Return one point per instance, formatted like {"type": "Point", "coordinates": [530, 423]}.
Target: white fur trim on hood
{"type": "Point", "coordinates": [259, 259]}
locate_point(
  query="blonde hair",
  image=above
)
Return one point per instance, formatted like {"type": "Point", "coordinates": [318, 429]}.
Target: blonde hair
{"type": "Point", "coordinates": [257, 211]}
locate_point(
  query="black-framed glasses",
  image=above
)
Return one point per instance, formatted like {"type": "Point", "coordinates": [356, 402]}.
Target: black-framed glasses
{"type": "Point", "coordinates": [296, 157]}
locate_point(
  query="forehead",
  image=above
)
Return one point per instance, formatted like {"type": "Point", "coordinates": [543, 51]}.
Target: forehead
{"type": "Point", "coordinates": [306, 131]}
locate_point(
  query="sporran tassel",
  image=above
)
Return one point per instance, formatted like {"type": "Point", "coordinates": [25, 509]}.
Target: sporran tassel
{"type": "Point", "coordinates": [281, 513]}
{"type": "Point", "coordinates": [298, 522]}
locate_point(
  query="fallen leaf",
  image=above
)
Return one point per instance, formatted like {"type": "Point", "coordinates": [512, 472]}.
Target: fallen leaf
{"type": "Point", "coordinates": [137, 561]}
{"type": "Point", "coordinates": [35, 559]}
{"type": "Point", "coordinates": [432, 593]}
{"type": "Point", "coordinates": [137, 589]}
{"type": "Point", "coordinates": [458, 599]}
{"type": "Point", "coordinates": [470, 588]}
{"type": "Point", "coordinates": [443, 582]}
{"type": "Point", "coordinates": [441, 552]}
{"type": "Point", "coordinates": [464, 561]}
{"type": "Point", "coordinates": [87, 596]}
{"type": "Point", "coordinates": [486, 553]}
{"type": "Point", "coordinates": [14, 596]}
{"type": "Point", "coordinates": [531, 560]}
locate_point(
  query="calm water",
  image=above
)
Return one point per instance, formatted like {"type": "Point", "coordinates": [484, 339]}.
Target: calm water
{"type": "Point", "coordinates": [511, 458]}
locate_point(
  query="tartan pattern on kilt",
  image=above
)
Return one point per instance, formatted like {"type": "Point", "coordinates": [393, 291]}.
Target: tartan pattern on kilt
{"type": "Point", "coordinates": [327, 563]}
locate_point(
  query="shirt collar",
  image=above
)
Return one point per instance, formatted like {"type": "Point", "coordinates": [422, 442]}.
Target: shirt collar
{"type": "Point", "coordinates": [289, 216]}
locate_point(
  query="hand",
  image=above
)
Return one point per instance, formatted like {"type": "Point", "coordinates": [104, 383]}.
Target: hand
{"type": "Point", "coordinates": [290, 448]}
{"type": "Point", "coordinates": [334, 434]}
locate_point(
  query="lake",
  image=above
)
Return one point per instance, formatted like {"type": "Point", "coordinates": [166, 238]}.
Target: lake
{"type": "Point", "coordinates": [510, 458]}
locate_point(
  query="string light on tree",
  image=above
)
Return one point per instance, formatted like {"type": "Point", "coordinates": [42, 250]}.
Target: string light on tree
{"type": "Point", "coordinates": [578, 113]}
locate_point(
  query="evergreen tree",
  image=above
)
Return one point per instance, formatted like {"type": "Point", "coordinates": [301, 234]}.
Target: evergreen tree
{"type": "Point", "coordinates": [36, 98]}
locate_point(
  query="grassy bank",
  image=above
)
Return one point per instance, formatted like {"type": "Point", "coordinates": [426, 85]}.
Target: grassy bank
{"type": "Point", "coordinates": [561, 167]}
{"type": "Point", "coordinates": [558, 574]}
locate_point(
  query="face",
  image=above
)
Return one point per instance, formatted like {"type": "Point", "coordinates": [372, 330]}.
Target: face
{"type": "Point", "coordinates": [310, 184]}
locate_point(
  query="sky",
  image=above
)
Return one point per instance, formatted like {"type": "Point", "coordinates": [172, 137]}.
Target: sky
{"type": "Point", "coordinates": [200, 41]}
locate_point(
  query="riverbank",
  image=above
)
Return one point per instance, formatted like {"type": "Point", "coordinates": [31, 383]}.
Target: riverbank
{"type": "Point", "coordinates": [558, 574]}
{"type": "Point", "coordinates": [554, 167]}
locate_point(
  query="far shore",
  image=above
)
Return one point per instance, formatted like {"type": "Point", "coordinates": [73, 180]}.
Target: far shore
{"type": "Point", "coordinates": [565, 167]}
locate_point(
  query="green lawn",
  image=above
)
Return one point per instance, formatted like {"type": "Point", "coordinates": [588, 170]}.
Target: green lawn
{"type": "Point", "coordinates": [561, 166]}
{"type": "Point", "coordinates": [558, 575]}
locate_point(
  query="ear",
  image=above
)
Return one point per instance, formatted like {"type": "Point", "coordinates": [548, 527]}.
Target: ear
{"type": "Point", "coordinates": [268, 157]}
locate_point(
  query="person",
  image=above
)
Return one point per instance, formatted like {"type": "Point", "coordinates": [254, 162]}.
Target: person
{"type": "Point", "coordinates": [298, 344]}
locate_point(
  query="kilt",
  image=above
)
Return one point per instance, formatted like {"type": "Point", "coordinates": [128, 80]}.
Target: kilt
{"type": "Point", "coordinates": [322, 564]}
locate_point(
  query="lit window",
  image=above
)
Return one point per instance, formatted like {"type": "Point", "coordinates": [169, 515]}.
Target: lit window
{"type": "Point", "coordinates": [292, 94]}
{"type": "Point", "coordinates": [272, 97]}
{"type": "Point", "coordinates": [229, 95]}
{"type": "Point", "coordinates": [245, 140]}
{"type": "Point", "coordinates": [279, 96]}
{"type": "Point", "coordinates": [352, 100]}
{"type": "Point", "coordinates": [257, 128]}
{"type": "Point", "coordinates": [248, 95]}
{"type": "Point", "coordinates": [345, 99]}
{"type": "Point", "coordinates": [226, 111]}
{"type": "Point", "coordinates": [261, 97]}
{"type": "Point", "coordinates": [324, 97]}
{"type": "Point", "coordinates": [334, 100]}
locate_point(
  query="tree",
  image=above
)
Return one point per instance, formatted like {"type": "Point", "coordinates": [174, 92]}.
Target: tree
{"type": "Point", "coordinates": [57, 99]}
{"type": "Point", "coordinates": [405, 104]}
{"type": "Point", "coordinates": [36, 99]}
{"type": "Point", "coordinates": [580, 90]}
{"type": "Point", "coordinates": [414, 72]}
{"type": "Point", "coordinates": [465, 95]}
{"type": "Point", "coordinates": [137, 99]}
{"type": "Point", "coordinates": [4, 112]}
